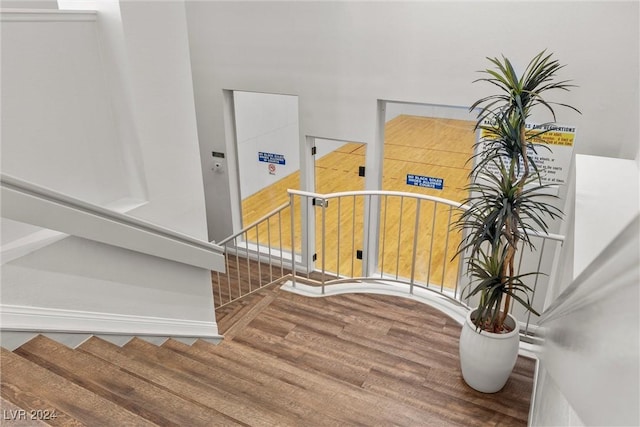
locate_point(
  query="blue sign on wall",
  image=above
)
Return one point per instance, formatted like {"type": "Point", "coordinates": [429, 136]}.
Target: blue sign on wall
{"type": "Point", "coordinates": [278, 159]}
{"type": "Point", "coordinates": [425, 181]}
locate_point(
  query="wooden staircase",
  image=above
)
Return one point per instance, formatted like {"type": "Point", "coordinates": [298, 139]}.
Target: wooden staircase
{"type": "Point", "coordinates": [285, 360]}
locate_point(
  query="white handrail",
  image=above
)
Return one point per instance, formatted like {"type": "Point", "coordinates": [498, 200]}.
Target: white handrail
{"type": "Point", "coordinates": [379, 193]}
{"type": "Point", "coordinates": [52, 195]}
{"type": "Point", "coordinates": [253, 224]}
{"type": "Point", "coordinates": [551, 236]}
{"type": "Point", "coordinates": [24, 201]}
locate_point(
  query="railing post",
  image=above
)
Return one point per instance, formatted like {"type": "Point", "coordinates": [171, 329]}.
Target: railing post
{"type": "Point", "coordinates": [535, 285]}
{"type": "Point", "coordinates": [293, 241]}
{"type": "Point", "coordinates": [324, 254]}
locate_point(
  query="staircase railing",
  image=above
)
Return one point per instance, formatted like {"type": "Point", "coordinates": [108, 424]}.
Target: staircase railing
{"type": "Point", "coordinates": [257, 256]}
{"type": "Point", "coordinates": [382, 241]}
{"type": "Point", "coordinates": [33, 204]}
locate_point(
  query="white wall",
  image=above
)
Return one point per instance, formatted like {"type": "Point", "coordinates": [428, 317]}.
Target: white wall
{"type": "Point", "coordinates": [591, 349]}
{"type": "Point", "coordinates": [58, 129]}
{"type": "Point", "coordinates": [115, 100]}
{"type": "Point", "coordinates": [394, 109]}
{"type": "Point", "coordinates": [339, 58]}
{"type": "Point", "coordinates": [78, 274]}
{"type": "Point", "coordinates": [581, 351]}
{"type": "Point", "coordinates": [29, 4]}
{"type": "Point", "coordinates": [157, 49]}
{"type": "Point", "coordinates": [265, 123]}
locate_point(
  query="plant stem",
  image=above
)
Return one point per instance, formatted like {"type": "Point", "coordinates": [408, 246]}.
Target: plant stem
{"type": "Point", "coordinates": [512, 240]}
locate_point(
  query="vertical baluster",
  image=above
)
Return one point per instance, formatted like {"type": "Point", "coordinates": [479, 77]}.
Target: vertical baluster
{"type": "Point", "coordinates": [269, 248]}
{"type": "Point", "coordinates": [237, 268]}
{"type": "Point", "coordinates": [535, 285]}
{"type": "Point", "coordinates": [258, 255]}
{"type": "Point", "coordinates": [433, 234]}
{"type": "Point", "coordinates": [246, 245]}
{"type": "Point", "coordinates": [399, 236]}
{"type": "Point", "coordinates": [293, 246]}
{"type": "Point", "coordinates": [228, 274]}
{"type": "Point", "coordinates": [339, 233]}
{"type": "Point", "coordinates": [521, 254]}
{"type": "Point", "coordinates": [365, 258]}
{"type": "Point", "coordinates": [414, 253]}
{"type": "Point", "coordinates": [384, 236]}
{"type": "Point", "coordinates": [323, 232]}
{"type": "Point", "coordinates": [353, 236]}
{"type": "Point", "coordinates": [446, 248]}
{"type": "Point", "coordinates": [281, 243]}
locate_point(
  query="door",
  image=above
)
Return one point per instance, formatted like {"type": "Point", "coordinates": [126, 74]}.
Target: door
{"type": "Point", "coordinates": [338, 167]}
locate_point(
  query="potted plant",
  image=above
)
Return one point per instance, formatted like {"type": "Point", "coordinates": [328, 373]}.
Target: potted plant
{"type": "Point", "coordinates": [506, 203]}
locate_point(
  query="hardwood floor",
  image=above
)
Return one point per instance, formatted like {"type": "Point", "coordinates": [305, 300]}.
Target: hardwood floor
{"type": "Point", "coordinates": [413, 145]}
{"type": "Point", "coordinates": [285, 360]}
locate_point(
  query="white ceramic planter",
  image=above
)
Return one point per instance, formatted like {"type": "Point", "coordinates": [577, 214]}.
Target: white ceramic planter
{"type": "Point", "coordinates": [487, 359]}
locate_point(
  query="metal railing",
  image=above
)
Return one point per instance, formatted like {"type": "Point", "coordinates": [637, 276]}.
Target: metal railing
{"type": "Point", "coordinates": [257, 256]}
{"type": "Point", "coordinates": [399, 241]}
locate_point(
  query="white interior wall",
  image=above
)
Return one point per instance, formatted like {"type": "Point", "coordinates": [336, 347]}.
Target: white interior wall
{"type": "Point", "coordinates": [140, 67]}
{"type": "Point", "coordinates": [269, 123]}
{"type": "Point", "coordinates": [58, 129]}
{"type": "Point", "coordinates": [78, 274]}
{"type": "Point", "coordinates": [157, 54]}
{"type": "Point", "coordinates": [265, 123]}
{"type": "Point", "coordinates": [592, 342]}
{"type": "Point", "coordinates": [394, 109]}
{"type": "Point", "coordinates": [28, 4]}
{"type": "Point", "coordinates": [340, 58]}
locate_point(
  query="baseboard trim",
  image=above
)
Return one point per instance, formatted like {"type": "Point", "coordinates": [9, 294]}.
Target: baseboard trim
{"type": "Point", "coordinates": [439, 302]}
{"type": "Point", "coordinates": [16, 318]}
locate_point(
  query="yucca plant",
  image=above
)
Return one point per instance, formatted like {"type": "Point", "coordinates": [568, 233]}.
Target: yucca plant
{"type": "Point", "coordinates": [507, 196]}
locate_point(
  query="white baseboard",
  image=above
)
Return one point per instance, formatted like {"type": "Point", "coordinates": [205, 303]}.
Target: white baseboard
{"type": "Point", "coordinates": [439, 302]}
{"type": "Point", "coordinates": [16, 318]}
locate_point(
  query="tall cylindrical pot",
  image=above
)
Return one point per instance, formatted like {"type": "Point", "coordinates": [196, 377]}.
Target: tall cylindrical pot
{"type": "Point", "coordinates": [487, 358]}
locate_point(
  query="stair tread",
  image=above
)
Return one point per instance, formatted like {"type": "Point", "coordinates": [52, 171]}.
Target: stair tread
{"type": "Point", "coordinates": [264, 399]}
{"type": "Point", "coordinates": [115, 384]}
{"type": "Point", "coordinates": [21, 376]}
{"type": "Point", "coordinates": [221, 404]}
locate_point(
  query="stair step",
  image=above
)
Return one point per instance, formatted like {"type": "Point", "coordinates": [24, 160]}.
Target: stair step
{"type": "Point", "coordinates": [117, 385]}
{"type": "Point", "coordinates": [11, 340]}
{"type": "Point", "coordinates": [264, 400]}
{"type": "Point", "coordinates": [23, 380]}
{"type": "Point", "coordinates": [70, 340]}
{"type": "Point", "coordinates": [118, 340]}
{"type": "Point", "coordinates": [223, 408]}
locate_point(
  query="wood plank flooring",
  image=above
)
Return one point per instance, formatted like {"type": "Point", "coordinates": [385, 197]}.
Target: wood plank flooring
{"type": "Point", "coordinates": [286, 360]}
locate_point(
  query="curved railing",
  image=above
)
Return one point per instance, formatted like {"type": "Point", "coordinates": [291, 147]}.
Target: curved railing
{"type": "Point", "coordinates": [368, 241]}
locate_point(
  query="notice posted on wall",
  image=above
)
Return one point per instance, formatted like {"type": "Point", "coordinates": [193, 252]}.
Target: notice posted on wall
{"type": "Point", "coordinates": [553, 163]}
{"type": "Point", "coordinates": [277, 159]}
{"type": "Point", "coordinates": [425, 181]}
